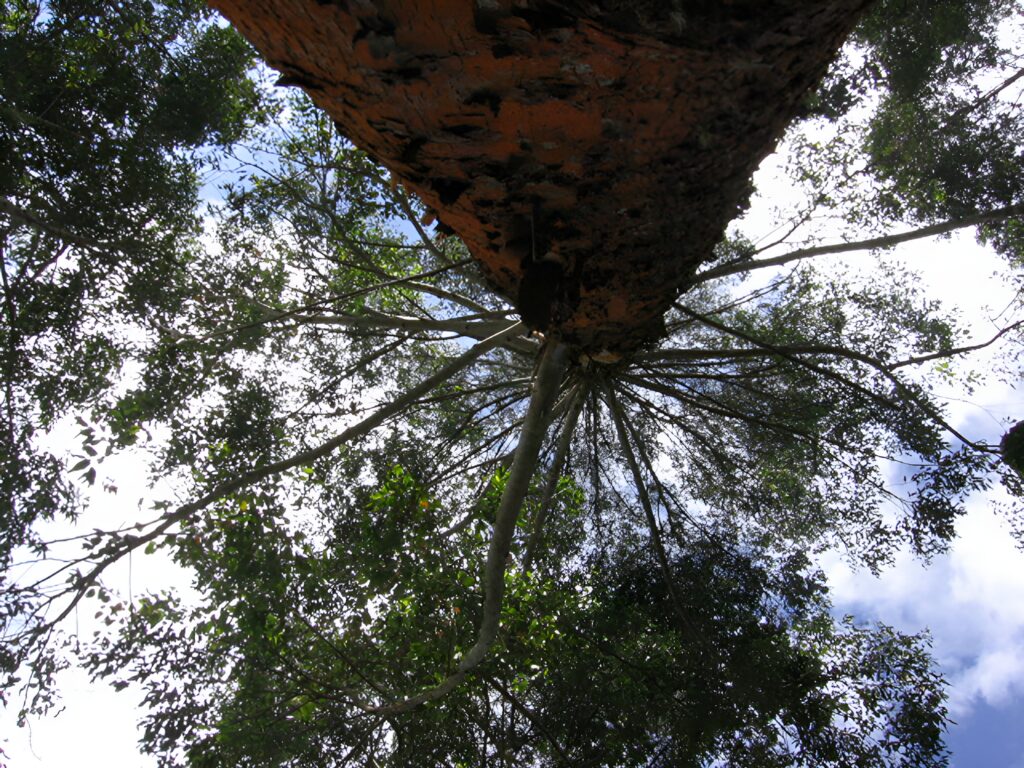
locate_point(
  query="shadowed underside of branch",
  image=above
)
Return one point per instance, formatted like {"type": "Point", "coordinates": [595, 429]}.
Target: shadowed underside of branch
{"type": "Point", "coordinates": [589, 156]}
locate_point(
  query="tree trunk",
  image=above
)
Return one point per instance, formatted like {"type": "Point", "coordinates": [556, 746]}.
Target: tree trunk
{"type": "Point", "coordinates": [589, 152]}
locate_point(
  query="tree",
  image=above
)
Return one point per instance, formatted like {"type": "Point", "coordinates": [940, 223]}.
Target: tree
{"type": "Point", "coordinates": [556, 133]}
{"type": "Point", "coordinates": [423, 535]}
{"type": "Point", "coordinates": [106, 111]}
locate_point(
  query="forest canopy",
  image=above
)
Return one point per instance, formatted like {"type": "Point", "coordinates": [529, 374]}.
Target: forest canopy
{"type": "Point", "coordinates": [419, 531]}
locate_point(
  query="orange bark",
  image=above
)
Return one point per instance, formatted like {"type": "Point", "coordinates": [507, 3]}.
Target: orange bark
{"type": "Point", "coordinates": [590, 154]}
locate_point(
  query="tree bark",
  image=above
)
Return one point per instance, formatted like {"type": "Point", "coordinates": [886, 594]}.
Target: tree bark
{"type": "Point", "coordinates": [589, 152]}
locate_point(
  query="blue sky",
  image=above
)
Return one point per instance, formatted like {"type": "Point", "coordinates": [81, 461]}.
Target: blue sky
{"type": "Point", "coordinates": [989, 736]}
{"type": "Point", "coordinates": [970, 599]}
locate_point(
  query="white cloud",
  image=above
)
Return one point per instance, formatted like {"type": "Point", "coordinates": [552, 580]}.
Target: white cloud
{"type": "Point", "coordinates": [997, 676]}
{"type": "Point", "coordinates": [96, 728]}
{"type": "Point", "coordinates": [971, 600]}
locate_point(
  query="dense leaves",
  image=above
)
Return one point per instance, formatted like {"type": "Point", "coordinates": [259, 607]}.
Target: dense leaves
{"type": "Point", "coordinates": [929, 126]}
{"type": "Point", "coordinates": [107, 108]}
{"type": "Point", "coordinates": [283, 675]}
{"type": "Point", "coordinates": [373, 462]}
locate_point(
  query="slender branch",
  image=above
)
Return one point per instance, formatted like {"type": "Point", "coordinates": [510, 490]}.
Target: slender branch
{"type": "Point", "coordinates": [355, 245]}
{"type": "Point", "coordinates": [356, 431]}
{"type": "Point", "coordinates": [27, 118]}
{"type": "Point", "coordinates": [665, 491]}
{"type": "Point", "coordinates": [794, 223]}
{"type": "Point", "coordinates": [549, 376]}
{"type": "Point", "coordinates": [447, 449]}
{"type": "Point", "coordinates": [926, 408]}
{"type": "Point", "coordinates": [887, 241]}
{"type": "Point", "coordinates": [711, 405]}
{"type": "Point", "coordinates": [504, 461]}
{"type": "Point", "coordinates": [987, 96]}
{"type": "Point", "coordinates": [536, 722]}
{"type": "Point", "coordinates": [337, 651]}
{"type": "Point", "coordinates": [489, 387]}
{"type": "Point", "coordinates": [13, 341]}
{"type": "Point", "coordinates": [561, 451]}
{"type": "Point", "coordinates": [699, 355]}
{"type": "Point", "coordinates": [410, 215]}
{"type": "Point", "coordinates": [957, 350]}
{"type": "Point", "coordinates": [667, 356]}
{"type": "Point", "coordinates": [645, 501]}
{"type": "Point", "coordinates": [435, 290]}
{"type": "Point", "coordinates": [479, 326]}
{"type": "Point", "coordinates": [835, 448]}
{"type": "Point", "coordinates": [62, 233]}
{"type": "Point", "coordinates": [326, 302]}
{"type": "Point", "coordinates": [358, 366]}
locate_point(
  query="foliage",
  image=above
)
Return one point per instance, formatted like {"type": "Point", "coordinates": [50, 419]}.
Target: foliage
{"type": "Point", "coordinates": [109, 112]}
{"type": "Point", "coordinates": [346, 409]}
{"type": "Point", "coordinates": [925, 117]}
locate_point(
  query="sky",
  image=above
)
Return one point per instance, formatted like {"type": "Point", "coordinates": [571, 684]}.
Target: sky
{"type": "Point", "coordinates": [970, 599]}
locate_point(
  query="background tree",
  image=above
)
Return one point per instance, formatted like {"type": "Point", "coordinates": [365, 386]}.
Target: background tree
{"type": "Point", "coordinates": [421, 535]}
{"type": "Point", "coordinates": [109, 113]}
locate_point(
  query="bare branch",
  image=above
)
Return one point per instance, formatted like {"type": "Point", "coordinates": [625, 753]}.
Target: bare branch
{"type": "Point", "coordinates": [794, 223]}
{"type": "Point", "coordinates": [645, 502]}
{"type": "Point", "coordinates": [901, 387]}
{"type": "Point", "coordinates": [554, 473]}
{"type": "Point", "coordinates": [276, 316]}
{"type": "Point", "coordinates": [480, 326]}
{"type": "Point", "coordinates": [711, 405]}
{"type": "Point", "coordinates": [410, 215]}
{"type": "Point", "coordinates": [887, 241]}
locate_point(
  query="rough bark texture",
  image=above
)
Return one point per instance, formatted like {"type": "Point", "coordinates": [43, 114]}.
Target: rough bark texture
{"type": "Point", "coordinates": [590, 154]}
